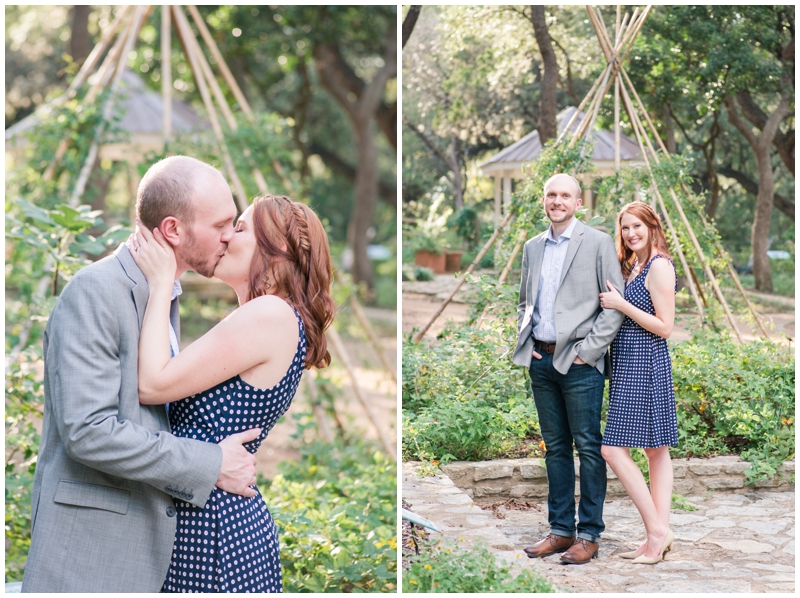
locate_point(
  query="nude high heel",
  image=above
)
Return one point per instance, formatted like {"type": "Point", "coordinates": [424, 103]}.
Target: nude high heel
{"type": "Point", "coordinates": [632, 554]}
{"type": "Point", "coordinates": [665, 548]}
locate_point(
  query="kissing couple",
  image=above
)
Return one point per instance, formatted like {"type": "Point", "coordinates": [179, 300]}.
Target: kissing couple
{"type": "Point", "coordinates": [146, 479]}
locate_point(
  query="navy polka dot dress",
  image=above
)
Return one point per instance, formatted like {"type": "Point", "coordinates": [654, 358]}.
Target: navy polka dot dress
{"type": "Point", "coordinates": [641, 411]}
{"type": "Point", "coordinates": [231, 544]}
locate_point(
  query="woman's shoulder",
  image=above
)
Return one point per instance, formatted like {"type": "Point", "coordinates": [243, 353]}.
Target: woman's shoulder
{"type": "Point", "coordinates": [661, 263]}
{"type": "Point", "coordinates": [662, 270]}
{"type": "Point", "coordinates": [267, 307]}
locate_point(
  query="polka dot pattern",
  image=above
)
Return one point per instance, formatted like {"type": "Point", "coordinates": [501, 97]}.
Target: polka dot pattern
{"type": "Point", "coordinates": [230, 544]}
{"type": "Point", "coordinates": [641, 410]}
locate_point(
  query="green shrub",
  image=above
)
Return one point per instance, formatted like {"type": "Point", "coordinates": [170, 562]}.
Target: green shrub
{"type": "Point", "coordinates": [336, 509]}
{"type": "Point", "coordinates": [444, 567]}
{"type": "Point", "coordinates": [423, 273]}
{"type": "Point", "coordinates": [463, 398]}
{"type": "Point", "coordinates": [735, 399]}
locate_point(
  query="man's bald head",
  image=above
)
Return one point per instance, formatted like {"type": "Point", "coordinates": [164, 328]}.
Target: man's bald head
{"type": "Point", "coordinates": [167, 189]}
{"type": "Point", "coordinates": [564, 176]}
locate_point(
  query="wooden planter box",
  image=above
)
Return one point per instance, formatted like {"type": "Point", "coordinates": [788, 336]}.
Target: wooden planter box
{"type": "Point", "coordinates": [430, 260]}
{"type": "Point", "coordinates": [452, 261]}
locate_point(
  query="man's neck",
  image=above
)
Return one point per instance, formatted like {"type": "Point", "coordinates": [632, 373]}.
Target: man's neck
{"type": "Point", "coordinates": [559, 228]}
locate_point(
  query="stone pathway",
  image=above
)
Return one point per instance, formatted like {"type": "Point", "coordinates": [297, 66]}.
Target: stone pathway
{"type": "Point", "coordinates": [731, 543]}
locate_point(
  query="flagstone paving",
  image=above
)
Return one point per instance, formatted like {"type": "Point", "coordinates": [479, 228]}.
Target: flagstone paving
{"type": "Point", "coordinates": [732, 543]}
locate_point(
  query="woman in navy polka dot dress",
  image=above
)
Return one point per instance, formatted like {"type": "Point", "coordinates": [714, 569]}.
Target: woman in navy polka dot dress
{"type": "Point", "coordinates": [240, 376]}
{"type": "Point", "coordinates": [641, 410]}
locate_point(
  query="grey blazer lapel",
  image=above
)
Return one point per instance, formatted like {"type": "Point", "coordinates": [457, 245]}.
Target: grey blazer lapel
{"type": "Point", "coordinates": [139, 290]}
{"type": "Point", "coordinates": [574, 244]}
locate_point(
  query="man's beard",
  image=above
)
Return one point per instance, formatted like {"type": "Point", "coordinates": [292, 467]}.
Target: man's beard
{"type": "Point", "coordinates": [196, 260]}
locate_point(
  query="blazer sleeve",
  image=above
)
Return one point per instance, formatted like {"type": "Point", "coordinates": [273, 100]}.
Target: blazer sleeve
{"type": "Point", "coordinates": [84, 346]}
{"type": "Point", "coordinates": [608, 321]}
{"type": "Point", "coordinates": [523, 288]}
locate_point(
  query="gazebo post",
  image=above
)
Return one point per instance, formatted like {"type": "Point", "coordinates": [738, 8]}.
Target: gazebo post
{"type": "Point", "coordinates": [498, 201]}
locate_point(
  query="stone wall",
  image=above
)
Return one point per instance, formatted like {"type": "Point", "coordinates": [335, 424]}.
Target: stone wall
{"type": "Point", "coordinates": [493, 481]}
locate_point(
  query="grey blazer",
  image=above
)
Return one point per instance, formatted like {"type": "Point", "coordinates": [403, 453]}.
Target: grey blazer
{"type": "Point", "coordinates": [583, 328]}
{"type": "Point", "coordinates": [102, 516]}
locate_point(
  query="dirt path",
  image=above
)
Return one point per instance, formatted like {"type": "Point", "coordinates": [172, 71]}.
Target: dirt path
{"type": "Point", "coordinates": [422, 299]}
{"type": "Point", "coordinates": [378, 387]}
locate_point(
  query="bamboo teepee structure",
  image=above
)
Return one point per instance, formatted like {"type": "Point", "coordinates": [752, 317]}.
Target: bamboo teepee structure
{"type": "Point", "coordinates": [103, 70]}
{"type": "Point", "coordinates": [616, 52]}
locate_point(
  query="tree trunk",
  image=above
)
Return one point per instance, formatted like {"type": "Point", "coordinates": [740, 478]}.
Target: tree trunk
{"type": "Point", "coordinates": [458, 185]}
{"type": "Point", "coordinates": [669, 137]}
{"type": "Point", "coordinates": [361, 111]}
{"type": "Point", "coordinates": [364, 202]}
{"type": "Point", "coordinates": [547, 104]}
{"type": "Point", "coordinates": [762, 219]}
{"type": "Point", "coordinates": [408, 23]}
{"type": "Point", "coordinates": [779, 201]}
{"type": "Point", "coordinates": [79, 42]}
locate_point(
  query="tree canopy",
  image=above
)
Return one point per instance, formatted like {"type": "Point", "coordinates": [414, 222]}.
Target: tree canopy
{"type": "Point", "coordinates": [474, 79]}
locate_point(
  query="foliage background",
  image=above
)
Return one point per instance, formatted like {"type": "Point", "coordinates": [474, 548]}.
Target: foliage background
{"type": "Point", "coordinates": [337, 507]}
{"type": "Point", "coordinates": [473, 83]}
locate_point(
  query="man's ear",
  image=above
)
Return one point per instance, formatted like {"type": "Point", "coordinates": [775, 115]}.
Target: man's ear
{"type": "Point", "coordinates": [172, 229]}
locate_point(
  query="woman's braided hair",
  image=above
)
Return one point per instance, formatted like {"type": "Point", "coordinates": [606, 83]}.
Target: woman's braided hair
{"type": "Point", "coordinates": [293, 260]}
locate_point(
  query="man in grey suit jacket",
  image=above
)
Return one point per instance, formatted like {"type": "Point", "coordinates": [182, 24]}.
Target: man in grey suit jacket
{"type": "Point", "coordinates": [563, 334]}
{"type": "Point", "coordinates": [102, 517]}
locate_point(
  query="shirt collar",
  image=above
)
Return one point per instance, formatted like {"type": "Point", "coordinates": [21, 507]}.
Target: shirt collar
{"type": "Point", "coordinates": [176, 290]}
{"type": "Point", "coordinates": [567, 234]}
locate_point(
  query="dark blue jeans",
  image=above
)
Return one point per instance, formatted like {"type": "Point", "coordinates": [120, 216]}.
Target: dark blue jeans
{"type": "Point", "coordinates": [569, 410]}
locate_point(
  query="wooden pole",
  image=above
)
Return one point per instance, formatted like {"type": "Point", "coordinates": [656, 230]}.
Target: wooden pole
{"type": "Point", "coordinates": [223, 66]}
{"type": "Point", "coordinates": [605, 42]}
{"type": "Point", "coordinates": [637, 125]}
{"type": "Point", "coordinates": [234, 86]}
{"type": "Point", "coordinates": [80, 185]}
{"type": "Point", "coordinates": [111, 59]}
{"type": "Point", "coordinates": [185, 34]}
{"type": "Point", "coordinates": [223, 104]}
{"type": "Point", "coordinates": [580, 108]}
{"type": "Point", "coordinates": [310, 382]}
{"type": "Point", "coordinates": [706, 267]}
{"type": "Point", "coordinates": [95, 54]}
{"type": "Point", "coordinates": [371, 336]}
{"type": "Point", "coordinates": [166, 72]}
{"type": "Point", "coordinates": [338, 346]}
{"type": "Point", "coordinates": [617, 153]}
{"type": "Point", "coordinates": [474, 263]}
{"type": "Point", "coordinates": [503, 275]}
{"type": "Point", "coordinates": [721, 250]}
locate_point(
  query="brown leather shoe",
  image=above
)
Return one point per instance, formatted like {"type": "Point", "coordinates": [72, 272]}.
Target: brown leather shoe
{"type": "Point", "coordinates": [581, 552]}
{"type": "Point", "coordinates": [551, 544]}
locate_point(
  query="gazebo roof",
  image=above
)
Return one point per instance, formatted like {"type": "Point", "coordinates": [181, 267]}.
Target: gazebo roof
{"type": "Point", "coordinates": [142, 113]}
{"type": "Point", "coordinates": [530, 146]}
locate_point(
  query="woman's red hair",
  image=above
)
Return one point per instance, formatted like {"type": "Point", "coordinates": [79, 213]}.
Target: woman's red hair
{"type": "Point", "coordinates": [658, 241]}
{"type": "Point", "coordinates": [293, 260]}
